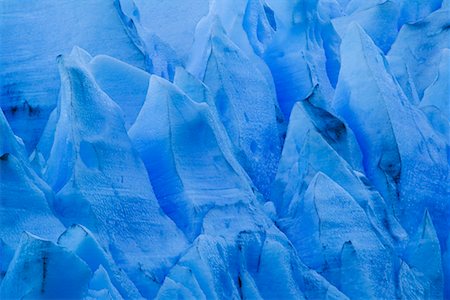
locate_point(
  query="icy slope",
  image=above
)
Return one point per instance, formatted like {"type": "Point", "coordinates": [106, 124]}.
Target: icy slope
{"type": "Point", "coordinates": [225, 149]}
{"type": "Point", "coordinates": [124, 214]}
{"type": "Point", "coordinates": [403, 156]}
{"type": "Point", "coordinates": [33, 34]}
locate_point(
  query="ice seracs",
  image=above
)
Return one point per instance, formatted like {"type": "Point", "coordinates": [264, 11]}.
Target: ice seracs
{"type": "Point", "coordinates": [225, 149]}
{"type": "Point", "coordinates": [298, 57]}
{"type": "Point", "coordinates": [26, 201]}
{"type": "Point", "coordinates": [403, 156]}
{"type": "Point", "coordinates": [414, 57]}
{"type": "Point", "coordinates": [190, 163]}
{"type": "Point", "coordinates": [249, 115]}
{"type": "Point", "coordinates": [318, 141]}
{"type": "Point", "coordinates": [423, 255]}
{"type": "Point", "coordinates": [203, 189]}
{"type": "Point", "coordinates": [80, 241]}
{"type": "Point", "coordinates": [314, 181]}
{"type": "Point", "coordinates": [33, 34]}
{"type": "Point", "coordinates": [101, 183]}
{"type": "Point", "coordinates": [35, 272]}
{"type": "Point", "coordinates": [320, 234]}
{"type": "Point", "coordinates": [372, 15]}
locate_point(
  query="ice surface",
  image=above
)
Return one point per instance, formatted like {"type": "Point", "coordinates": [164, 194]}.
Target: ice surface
{"type": "Point", "coordinates": [446, 267]}
{"type": "Point", "coordinates": [100, 286]}
{"type": "Point", "coordinates": [416, 10]}
{"type": "Point", "coordinates": [401, 151]}
{"type": "Point", "coordinates": [225, 149]}
{"type": "Point", "coordinates": [91, 152]}
{"type": "Point", "coordinates": [415, 55]}
{"type": "Point", "coordinates": [372, 16]}
{"type": "Point", "coordinates": [436, 99]}
{"type": "Point", "coordinates": [33, 34]}
{"type": "Point", "coordinates": [211, 199]}
{"type": "Point", "coordinates": [157, 17]}
{"type": "Point", "coordinates": [423, 256]}
{"type": "Point", "coordinates": [249, 115]}
{"type": "Point", "coordinates": [124, 83]}
{"type": "Point", "coordinates": [36, 272]}
{"type": "Point", "coordinates": [297, 57]}
{"type": "Point", "coordinates": [82, 242]}
{"type": "Point", "coordinates": [188, 160]}
{"type": "Point", "coordinates": [409, 286]}
{"type": "Point", "coordinates": [26, 200]}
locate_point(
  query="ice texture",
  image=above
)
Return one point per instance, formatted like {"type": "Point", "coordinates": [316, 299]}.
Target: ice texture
{"type": "Point", "coordinates": [125, 215]}
{"type": "Point", "coordinates": [225, 149]}
{"type": "Point", "coordinates": [402, 153]}
{"type": "Point", "coordinates": [303, 52]}
{"type": "Point", "coordinates": [26, 200]}
{"type": "Point", "coordinates": [422, 255]}
{"type": "Point", "coordinates": [188, 160]}
{"type": "Point", "coordinates": [47, 29]}
{"type": "Point", "coordinates": [36, 272]}
{"type": "Point", "coordinates": [416, 53]}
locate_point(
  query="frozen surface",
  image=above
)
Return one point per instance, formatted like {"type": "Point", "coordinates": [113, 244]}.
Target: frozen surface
{"type": "Point", "coordinates": [33, 34]}
{"type": "Point", "coordinates": [371, 16]}
{"type": "Point", "coordinates": [249, 115]}
{"type": "Point", "coordinates": [422, 255]}
{"type": "Point", "coordinates": [225, 149]}
{"type": "Point", "coordinates": [416, 53]}
{"type": "Point", "coordinates": [188, 160]}
{"type": "Point", "coordinates": [18, 213]}
{"type": "Point", "coordinates": [402, 153]}
{"type": "Point", "coordinates": [298, 57]}
{"type": "Point", "coordinates": [125, 215]}
{"type": "Point", "coordinates": [35, 272]}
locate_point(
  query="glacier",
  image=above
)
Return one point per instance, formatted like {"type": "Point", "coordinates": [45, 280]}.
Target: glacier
{"type": "Point", "coordinates": [225, 149]}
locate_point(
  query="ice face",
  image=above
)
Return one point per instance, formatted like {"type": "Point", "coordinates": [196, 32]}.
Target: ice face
{"type": "Point", "coordinates": [394, 159]}
{"type": "Point", "coordinates": [423, 256]}
{"type": "Point", "coordinates": [298, 57]}
{"type": "Point", "coordinates": [413, 11]}
{"type": "Point", "coordinates": [26, 200]}
{"type": "Point", "coordinates": [47, 30]}
{"type": "Point", "coordinates": [198, 168]}
{"type": "Point", "coordinates": [435, 101]}
{"type": "Point", "coordinates": [157, 17]}
{"type": "Point", "coordinates": [82, 242]}
{"type": "Point", "coordinates": [100, 286]}
{"type": "Point", "coordinates": [371, 16]}
{"type": "Point", "coordinates": [35, 271]}
{"type": "Point", "coordinates": [414, 58]}
{"type": "Point", "coordinates": [125, 84]}
{"type": "Point", "coordinates": [249, 115]}
{"type": "Point", "coordinates": [225, 149]}
{"type": "Point", "coordinates": [84, 159]}
{"type": "Point", "coordinates": [335, 246]}
{"type": "Point", "coordinates": [446, 267]}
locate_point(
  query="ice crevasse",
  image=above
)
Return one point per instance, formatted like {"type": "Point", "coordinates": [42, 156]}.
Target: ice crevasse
{"type": "Point", "coordinates": [225, 149]}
